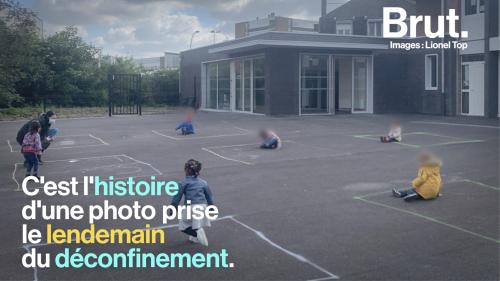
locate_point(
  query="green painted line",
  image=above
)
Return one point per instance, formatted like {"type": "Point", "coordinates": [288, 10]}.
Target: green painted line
{"type": "Point", "coordinates": [373, 137]}
{"type": "Point", "coordinates": [455, 142]}
{"type": "Point", "coordinates": [429, 219]}
{"type": "Point", "coordinates": [482, 184]}
{"type": "Point", "coordinates": [437, 135]}
{"type": "Point", "coordinates": [372, 194]}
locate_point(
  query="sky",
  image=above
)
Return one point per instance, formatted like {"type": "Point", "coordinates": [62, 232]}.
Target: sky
{"type": "Point", "coordinates": [147, 28]}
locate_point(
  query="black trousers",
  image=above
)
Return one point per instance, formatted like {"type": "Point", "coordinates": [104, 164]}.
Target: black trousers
{"type": "Point", "coordinates": [190, 231]}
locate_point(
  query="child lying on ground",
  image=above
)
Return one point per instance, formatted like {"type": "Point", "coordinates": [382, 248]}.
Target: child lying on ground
{"type": "Point", "coordinates": [186, 126]}
{"type": "Point", "coordinates": [394, 133]}
{"type": "Point", "coordinates": [427, 184]}
{"type": "Point", "coordinates": [196, 190]}
{"type": "Point", "coordinates": [269, 139]}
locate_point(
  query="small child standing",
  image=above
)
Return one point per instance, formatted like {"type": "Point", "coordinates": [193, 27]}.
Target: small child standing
{"type": "Point", "coordinates": [186, 126]}
{"type": "Point", "coordinates": [31, 148]}
{"type": "Point", "coordinates": [195, 190]}
{"type": "Point", "coordinates": [395, 133]}
{"type": "Point", "coordinates": [269, 139]}
{"type": "Point", "coordinates": [427, 184]}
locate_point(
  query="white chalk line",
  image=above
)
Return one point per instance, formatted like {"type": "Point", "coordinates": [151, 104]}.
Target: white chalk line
{"type": "Point", "coordinates": [159, 173]}
{"type": "Point", "coordinates": [456, 124]}
{"type": "Point", "coordinates": [10, 146]}
{"type": "Point", "coordinates": [286, 251]}
{"type": "Point", "coordinates": [102, 142]}
{"type": "Point", "coordinates": [226, 158]}
{"type": "Point", "coordinates": [245, 132]}
{"type": "Point", "coordinates": [99, 139]}
{"type": "Point", "coordinates": [243, 144]}
{"type": "Point", "coordinates": [145, 163]}
{"type": "Point", "coordinates": [163, 135]}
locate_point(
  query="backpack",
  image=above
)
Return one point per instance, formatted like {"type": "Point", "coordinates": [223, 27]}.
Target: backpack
{"type": "Point", "coordinates": [29, 144]}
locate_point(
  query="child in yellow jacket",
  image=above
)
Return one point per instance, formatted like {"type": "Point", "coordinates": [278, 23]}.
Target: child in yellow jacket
{"type": "Point", "coordinates": [427, 184]}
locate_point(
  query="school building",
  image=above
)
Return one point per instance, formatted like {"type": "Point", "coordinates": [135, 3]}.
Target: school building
{"type": "Point", "coordinates": [347, 66]}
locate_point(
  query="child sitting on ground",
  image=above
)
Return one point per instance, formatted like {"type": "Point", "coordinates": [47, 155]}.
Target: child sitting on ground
{"type": "Point", "coordinates": [427, 184]}
{"type": "Point", "coordinates": [394, 133]}
{"type": "Point", "coordinates": [196, 190]}
{"type": "Point", "coordinates": [269, 139]}
{"type": "Point", "coordinates": [31, 148]}
{"type": "Point", "coordinates": [186, 126]}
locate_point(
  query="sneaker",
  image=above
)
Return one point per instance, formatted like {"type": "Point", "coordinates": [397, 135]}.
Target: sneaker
{"type": "Point", "coordinates": [202, 237]}
{"type": "Point", "coordinates": [396, 193]}
{"type": "Point", "coordinates": [411, 197]}
{"type": "Point", "coordinates": [194, 239]}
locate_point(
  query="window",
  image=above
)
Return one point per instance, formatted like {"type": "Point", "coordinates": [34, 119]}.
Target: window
{"type": "Point", "coordinates": [431, 72]}
{"type": "Point", "coordinates": [473, 7]}
{"type": "Point", "coordinates": [259, 90]}
{"type": "Point", "coordinates": [344, 28]}
{"type": "Point", "coordinates": [314, 84]}
{"type": "Point", "coordinates": [375, 28]}
{"type": "Point", "coordinates": [218, 86]}
{"type": "Point", "coordinates": [465, 89]}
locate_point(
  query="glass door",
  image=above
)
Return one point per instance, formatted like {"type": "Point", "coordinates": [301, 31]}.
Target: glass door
{"type": "Point", "coordinates": [314, 84]}
{"type": "Point", "coordinates": [238, 71]}
{"type": "Point", "coordinates": [247, 86]}
{"type": "Point", "coordinates": [473, 88]}
{"type": "Point", "coordinates": [360, 84]}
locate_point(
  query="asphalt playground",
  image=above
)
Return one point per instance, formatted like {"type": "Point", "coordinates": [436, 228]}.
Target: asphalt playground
{"type": "Point", "coordinates": [318, 209]}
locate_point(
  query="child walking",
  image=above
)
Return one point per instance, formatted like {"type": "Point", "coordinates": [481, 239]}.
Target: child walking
{"type": "Point", "coordinates": [196, 190]}
{"type": "Point", "coordinates": [186, 126]}
{"type": "Point", "coordinates": [31, 148]}
{"type": "Point", "coordinates": [395, 133]}
{"type": "Point", "coordinates": [427, 184]}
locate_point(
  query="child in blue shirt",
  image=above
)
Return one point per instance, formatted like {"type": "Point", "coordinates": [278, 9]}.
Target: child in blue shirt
{"type": "Point", "coordinates": [196, 190]}
{"type": "Point", "coordinates": [269, 139]}
{"type": "Point", "coordinates": [186, 126]}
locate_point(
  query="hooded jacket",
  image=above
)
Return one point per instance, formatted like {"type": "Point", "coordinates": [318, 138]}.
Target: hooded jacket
{"type": "Point", "coordinates": [428, 181]}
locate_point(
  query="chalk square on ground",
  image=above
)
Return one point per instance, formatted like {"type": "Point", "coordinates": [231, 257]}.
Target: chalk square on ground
{"type": "Point", "coordinates": [251, 153]}
{"type": "Point", "coordinates": [204, 132]}
{"type": "Point", "coordinates": [66, 142]}
{"type": "Point", "coordinates": [424, 139]}
{"type": "Point", "coordinates": [456, 207]}
{"type": "Point", "coordinates": [120, 166]}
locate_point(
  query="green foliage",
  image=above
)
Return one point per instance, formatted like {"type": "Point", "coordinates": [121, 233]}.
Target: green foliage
{"type": "Point", "coordinates": [63, 70]}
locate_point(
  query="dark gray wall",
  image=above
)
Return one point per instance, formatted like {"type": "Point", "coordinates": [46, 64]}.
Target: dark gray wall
{"type": "Point", "coordinates": [390, 88]}
{"type": "Point", "coordinates": [491, 75]}
{"type": "Point", "coordinates": [190, 72]}
{"type": "Point", "coordinates": [282, 81]}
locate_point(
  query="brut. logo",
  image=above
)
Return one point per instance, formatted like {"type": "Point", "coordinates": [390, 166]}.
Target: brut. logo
{"type": "Point", "coordinates": [397, 17]}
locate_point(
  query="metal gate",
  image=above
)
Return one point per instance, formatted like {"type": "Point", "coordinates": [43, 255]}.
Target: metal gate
{"type": "Point", "coordinates": [125, 95]}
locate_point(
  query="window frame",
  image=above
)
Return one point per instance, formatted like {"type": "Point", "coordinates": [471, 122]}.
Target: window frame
{"type": "Point", "coordinates": [343, 23]}
{"type": "Point", "coordinates": [478, 9]}
{"type": "Point", "coordinates": [428, 73]}
{"type": "Point", "coordinates": [378, 23]}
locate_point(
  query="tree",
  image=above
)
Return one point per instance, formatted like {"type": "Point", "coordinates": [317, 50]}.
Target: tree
{"type": "Point", "coordinates": [19, 45]}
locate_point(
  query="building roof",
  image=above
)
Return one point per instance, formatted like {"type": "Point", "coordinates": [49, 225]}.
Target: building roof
{"type": "Point", "coordinates": [371, 9]}
{"type": "Point", "coordinates": [299, 40]}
